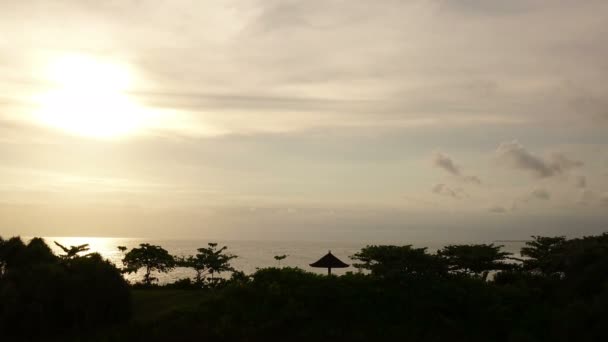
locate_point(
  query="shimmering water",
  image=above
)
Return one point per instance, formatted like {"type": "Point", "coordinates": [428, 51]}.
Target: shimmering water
{"type": "Point", "coordinates": [251, 254]}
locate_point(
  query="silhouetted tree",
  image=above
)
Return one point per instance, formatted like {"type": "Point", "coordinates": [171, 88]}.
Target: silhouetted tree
{"type": "Point", "coordinates": [476, 260]}
{"type": "Point", "coordinates": [582, 264]}
{"type": "Point", "coordinates": [150, 257]}
{"type": "Point", "coordinates": [73, 251]}
{"type": "Point", "coordinates": [541, 254]}
{"type": "Point", "coordinates": [2, 257]}
{"type": "Point", "coordinates": [390, 261]}
{"type": "Point", "coordinates": [279, 258]}
{"type": "Point", "coordinates": [209, 261]}
{"type": "Point", "coordinates": [42, 295]}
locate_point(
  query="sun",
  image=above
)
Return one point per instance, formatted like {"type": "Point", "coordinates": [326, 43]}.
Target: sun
{"type": "Point", "coordinates": [89, 98]}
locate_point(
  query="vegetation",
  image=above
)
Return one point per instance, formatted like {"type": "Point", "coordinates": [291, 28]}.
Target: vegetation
{"type": "Point", "coordinates": [42, 295]}
{"type": "Point", "coordinates": [558, 291]}
{"type": "Point", "coordinates": [398, 261]}
{"type": "Point", "coordinates": [150, 257]}
{"type": "Point", "coordinates": [475, 260]}
{"type": "Point", "coordinates": [73, 251]}
{"type": "Point", "coordinates": [541, 254]}
{"type": "Point", "coordinates": [209, 261]}
{"type": "Point", "coordinates": [280, 258]}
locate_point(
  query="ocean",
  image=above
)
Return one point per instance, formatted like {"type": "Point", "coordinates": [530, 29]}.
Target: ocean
{"type": "Point", "coordinates": [251, 254]}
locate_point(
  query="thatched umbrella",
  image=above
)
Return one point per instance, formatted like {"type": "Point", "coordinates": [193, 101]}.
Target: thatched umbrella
{"type": "Point", "coordinates": [329, 261]}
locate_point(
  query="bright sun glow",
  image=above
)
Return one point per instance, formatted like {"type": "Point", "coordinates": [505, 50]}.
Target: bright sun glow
{"type": "Point", "coordinates": [89, 98]}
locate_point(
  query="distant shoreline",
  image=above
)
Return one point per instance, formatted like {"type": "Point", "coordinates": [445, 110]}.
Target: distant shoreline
{"type": "Point", "coordinates": [512, 240]}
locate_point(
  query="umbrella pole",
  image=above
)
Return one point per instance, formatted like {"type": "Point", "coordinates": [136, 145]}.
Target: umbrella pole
{"type": "Point", "coordinates": [329, 271]}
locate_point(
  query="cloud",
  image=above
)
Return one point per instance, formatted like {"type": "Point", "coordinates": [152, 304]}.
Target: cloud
{"type": "Point", "coordinates": [561, 164]}
{"type": "Point", "coordinates": [604, 199]}
{"type": "Point", "coordinates": [445, 162]}
{"type": "Point", "coordinates": [585, 197]}
{"type": "Point", "coordinates": [581, 182]}
{"type": "Point", "coordinates": [491, 8]}
{"type": "Point", "coordinates": [245, 64]}
{"type": "Point", "coordinates": [472, 179]}
{"type": "Point", "coordinates": [497, 210]}
{"type": "Point", "coordinates": [516, 155]}
{"type": "Point", "coordinates": [540, 193]}
{"type": "Point", "coordinates": [588, 197]}
{"type": "Point", "coordinates": [444, 190]}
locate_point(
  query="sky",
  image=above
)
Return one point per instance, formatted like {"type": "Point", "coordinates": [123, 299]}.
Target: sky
{"type": "Point", "coordinates": [410, 120]}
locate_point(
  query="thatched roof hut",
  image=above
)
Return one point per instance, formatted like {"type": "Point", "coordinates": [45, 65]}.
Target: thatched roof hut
{"type": "Point", "coordinates": [329, 261]}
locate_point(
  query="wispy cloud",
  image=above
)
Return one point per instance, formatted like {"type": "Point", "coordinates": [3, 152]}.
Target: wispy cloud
{"type": "Point", "coordinates": [540, 193]}
{"type": "Point", "coordinates": [444, 162]}
{"type": "Point", "coordinates": [604, 199]}
{"type": "Point", "coordinates": [497, 210]}
{"type": "Point", "coordinates": [517, 156]}
{"type": "Point", "coordinates": [445, 190]}
{"type": "Point", "coordinates": [581, 181]}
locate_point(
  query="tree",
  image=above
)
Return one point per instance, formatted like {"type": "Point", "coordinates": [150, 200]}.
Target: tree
{"type": "Point", "coordinates": [209, 261]}
{"type": "Point", "coordinates": [279, 258]}
{"type": "Point", "coordinates": [73, 251]}
{"type": "Point", "coordinates": [390, 261]}
{"type": "Point", "coordinates": [152, 258]}
{"type": "Point", "coordinates": [541, 254]}
{"type": "Point", "coordinates": [476, 260]}
{"type": "Point", "coordinates": [3, 261]}
{"type": "Point", "coordinates": [43, 296]}
{"type": "Point", "coordinates": [580, 264]}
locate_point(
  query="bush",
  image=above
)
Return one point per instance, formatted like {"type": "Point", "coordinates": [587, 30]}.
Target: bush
{"type": "Point", "coordinates": [43, 295]}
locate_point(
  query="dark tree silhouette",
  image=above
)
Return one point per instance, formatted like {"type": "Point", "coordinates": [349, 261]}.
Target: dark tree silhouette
{"type": "Point", "coordinates": [209, 261]}
{"type": "Point", "coordinates": [150, 257]}
{"type": "Point", "coordinates": [73, 251]}
{"type": "Point", "coordinates": [43, 296]}
{"type": "Point", "coordinates": [389, 261]}
{"type": "Point", "coordinates": [540, 254]}
{"type": "Point", "coordinates": [280, 258]}
{"type": "Point", "coordinates": [476, 260]}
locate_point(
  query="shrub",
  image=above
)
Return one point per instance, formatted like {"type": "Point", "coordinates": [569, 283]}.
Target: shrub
{"type": "Point", "coordinates": [43, 295]}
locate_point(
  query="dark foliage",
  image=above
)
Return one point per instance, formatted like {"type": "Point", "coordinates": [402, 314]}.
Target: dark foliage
{"type": "Point", "coordinates": [209, 261]}
{"type": "Point", "coordinates": [73, 251]}
{"type": "Point", "coordinates": [42, 295]}
{"type": "Point", "coordinates": [407, 294]}
{"type": "Point", "coordinates": [540, 254]}
{"type": "Point", "coordinates": [475, 260]}
{"type": "Point", "coordinates": [398, 261]}
{"type": "Point", "coordinates": [558, 292]}
{"type": "Point", "coordinates": [149, 257]}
